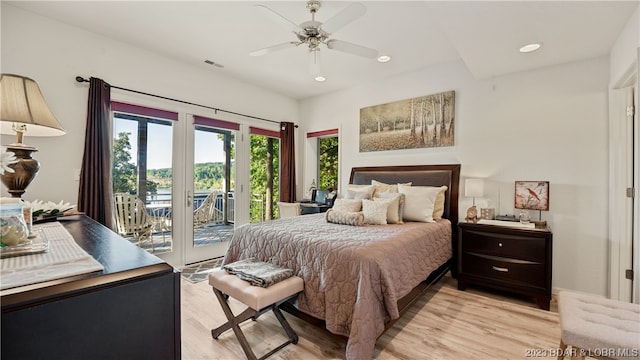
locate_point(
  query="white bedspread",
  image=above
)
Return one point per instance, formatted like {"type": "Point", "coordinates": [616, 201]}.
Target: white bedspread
{"type": "Point", "coordinates": [64, 258]}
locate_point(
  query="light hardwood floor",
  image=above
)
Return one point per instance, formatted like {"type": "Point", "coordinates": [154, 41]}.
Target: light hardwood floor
{"type": "Point", "coordinates": [444, 324]}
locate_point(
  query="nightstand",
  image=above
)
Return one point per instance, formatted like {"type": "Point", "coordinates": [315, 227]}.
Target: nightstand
{"type": "Point", "coordinates": [511, 259]}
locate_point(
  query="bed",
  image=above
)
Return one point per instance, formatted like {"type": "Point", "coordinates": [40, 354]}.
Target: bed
{"type": "Point", "coordinates": [359, 279]}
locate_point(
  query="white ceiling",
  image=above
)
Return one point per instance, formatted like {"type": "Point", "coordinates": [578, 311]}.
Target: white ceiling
{"type": "Point", "coordinates": [417, 34]}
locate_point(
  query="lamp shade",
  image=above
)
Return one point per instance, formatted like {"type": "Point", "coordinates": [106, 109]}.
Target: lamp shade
{"type": "Point", "coordinates": [23, 103]}
{"type": "Point", "coordinates": [473, 187]}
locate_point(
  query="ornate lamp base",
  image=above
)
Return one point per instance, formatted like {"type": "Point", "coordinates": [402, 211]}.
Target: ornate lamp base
{"type": "Point", "coordinates": [25, 170]}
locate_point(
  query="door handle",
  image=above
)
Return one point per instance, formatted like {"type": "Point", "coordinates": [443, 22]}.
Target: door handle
{"type": "Point", "coordinates": [189, 199]}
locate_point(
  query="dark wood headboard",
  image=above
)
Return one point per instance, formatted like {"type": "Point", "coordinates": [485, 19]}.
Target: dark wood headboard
{"type": "Point", "coordinates": [418, 175]}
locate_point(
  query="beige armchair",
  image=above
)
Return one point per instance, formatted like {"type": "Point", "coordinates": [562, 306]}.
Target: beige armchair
{"type": "Point", "coordinates": [288, 209]}
{"type": "Point", "coordinates": [132, 219]}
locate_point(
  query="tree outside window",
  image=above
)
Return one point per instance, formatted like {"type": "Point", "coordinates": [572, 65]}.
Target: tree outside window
{"type": "Point", "coordinates": [328, 163]}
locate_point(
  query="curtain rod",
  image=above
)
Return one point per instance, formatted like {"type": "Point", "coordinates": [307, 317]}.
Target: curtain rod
{"type": "Point", "coordinates": [80, 79]}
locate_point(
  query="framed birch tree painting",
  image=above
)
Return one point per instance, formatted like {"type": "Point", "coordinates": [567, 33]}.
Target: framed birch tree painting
{"type": "Point", "coordinates": [421, 122]}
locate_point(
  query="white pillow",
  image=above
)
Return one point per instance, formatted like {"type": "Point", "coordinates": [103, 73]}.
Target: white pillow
{"type": "Point", "coordinates": [358, 187]}
{"type": "Point", "coordinates": [359, 192]}
{"type": "Point", "coordinates": [375, 212]}
{"type": "Point", "coordinates": [396, 208]}
{"type": "Point", "coordinates": [419, 202]}
{"type": "Point", "coordinates": [350, 205]}
{"type": "Point", "coordinates": [438, 208]}
{"type": "Point", "coordinates": [379, 187]}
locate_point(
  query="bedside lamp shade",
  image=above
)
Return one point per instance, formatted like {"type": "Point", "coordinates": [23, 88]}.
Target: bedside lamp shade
{"type": "Point", "coordinates": [23, 110]}
{"type": "Point", "coordinates": [474, 188]}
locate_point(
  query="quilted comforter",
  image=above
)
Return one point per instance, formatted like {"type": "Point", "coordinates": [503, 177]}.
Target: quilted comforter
{"type": "Point", "coordinates": [353, 275]}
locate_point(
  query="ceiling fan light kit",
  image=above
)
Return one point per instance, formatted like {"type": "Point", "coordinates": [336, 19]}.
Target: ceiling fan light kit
{"type": "Point", "coordinates": [314, 33]}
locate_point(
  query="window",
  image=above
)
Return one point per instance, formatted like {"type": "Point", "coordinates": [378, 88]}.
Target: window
{"type": "Point", "coordinates": [327, 160]}
{"type": "Point", "coordinates": [328, 163]}
{"type": "Point", "coordinates": [142, 156]}
{"type": "Point", "coordinates": [264, 164]}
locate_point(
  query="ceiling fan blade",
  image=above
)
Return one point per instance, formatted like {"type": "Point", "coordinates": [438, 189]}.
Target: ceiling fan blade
{"type": "Point", "coordinates": [352, 48]}
{"type": "Point", "coordinates": [273, 48]}
{"type": "Point", "coordinates": [283, 21]}
{"type": "Point", "coordinates": [344, 17]}
{"type": "Point", "coordinates": [314, 62]}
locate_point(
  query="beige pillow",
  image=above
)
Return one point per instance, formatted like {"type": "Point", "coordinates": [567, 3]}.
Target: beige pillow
{"type": "Point", "coordinates": [438, 207]}
{"type": "Point", "coordinates": [419, 202]}
{"type": "Point", "coordinates": [351, 205]}
{"type": "Point", "coordinates": [344, 217]}
{"type": "Point", "coordinates": [359, 192]}
{"type": "Point", "coordinates": [358, 187]}
{"type": "Point", "coordinates": [375, 212]}
{"type": "Point", "coordinates": [379, 187]}
{"type": "Point", "coordinates": [396, 208]}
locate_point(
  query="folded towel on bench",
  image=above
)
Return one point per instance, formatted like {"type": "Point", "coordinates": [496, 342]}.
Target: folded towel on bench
{"type": "Point", "coordinates": [258, 273]}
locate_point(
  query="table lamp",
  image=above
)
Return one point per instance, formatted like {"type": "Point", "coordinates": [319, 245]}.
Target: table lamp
{"type": "Point", "coordinates": [473, 188]}
{"type": "Point", "coordinates": [23, 111]}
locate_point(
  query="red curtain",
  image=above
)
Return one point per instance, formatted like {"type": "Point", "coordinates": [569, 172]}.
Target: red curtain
{"type": "Point", "coordinates": [287, 162]}
{"type": "Point", "coordinates": [95, 193]}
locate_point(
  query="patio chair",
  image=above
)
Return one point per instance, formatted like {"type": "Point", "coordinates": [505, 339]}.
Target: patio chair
{"type": "Point", "coordinates": [161, 218]}
{"type": "Point", "coordinates": [208, 212]}
{"type": "Point", "coordinates": [132, 219]}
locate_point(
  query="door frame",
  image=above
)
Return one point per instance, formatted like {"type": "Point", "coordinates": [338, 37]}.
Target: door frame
{"type": "Point", "coordinates": [624, 250]}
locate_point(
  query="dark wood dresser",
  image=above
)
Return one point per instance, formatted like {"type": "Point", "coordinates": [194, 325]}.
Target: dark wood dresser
{"type": "Point", "coordinates": [131, 310]}
{"type": "Point", "coordinates": [506, 258]}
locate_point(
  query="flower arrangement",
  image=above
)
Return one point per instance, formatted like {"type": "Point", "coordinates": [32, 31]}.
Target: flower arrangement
{"type": "Point", "coordinates": [7, 158]}
{"type": "Point", "coordinates": [40, 209]}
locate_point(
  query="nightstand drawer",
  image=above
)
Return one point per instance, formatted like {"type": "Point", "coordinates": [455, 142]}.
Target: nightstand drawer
{"type": "Point", "coordinates": [514, 271]}
{"type": "Point", "coordinates": [512, 246]}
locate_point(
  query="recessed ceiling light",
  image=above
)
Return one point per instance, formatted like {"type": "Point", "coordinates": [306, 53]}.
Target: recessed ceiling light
{"type": "Point", "coordinates": [320, 78]}
{"type": "Point", "coordinates": [384, 58]}
{"type": "Point", "coordinates": [530, 47]}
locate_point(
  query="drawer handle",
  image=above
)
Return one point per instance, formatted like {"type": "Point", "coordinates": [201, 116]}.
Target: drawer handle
{"type": "Point", "coordinates": [500, 244]}
{"type": "Point", "coordinates": [501, 269]}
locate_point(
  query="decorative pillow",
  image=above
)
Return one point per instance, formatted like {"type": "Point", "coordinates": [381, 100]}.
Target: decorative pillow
{"type": "Point", "coordinates": [359, 192]}
{"type": "Point", "coordinates": [379, 187]}
{"type": "Point", "coordinates": [375, 212]}
{"type": "Point", "coordinates": [419, 202]}
{"type": "Point", "coordinates": [438, 207]}
{"type": "Point", "coordinates": [357, 187]}
{"type": "Point", "coordinates": [396, 207]}
{"type": "Point", "coordinates": [352, 205]}
{"type": "Point", "coordinates": [344, 217]}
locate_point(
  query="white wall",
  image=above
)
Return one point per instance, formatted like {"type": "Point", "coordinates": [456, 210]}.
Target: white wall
{"type": "Point", "coordinates": [625, 50]}
{"type": "Point", "coordinates": [53, 54]}
{"type": "Point", "coordinates": [548, 124]}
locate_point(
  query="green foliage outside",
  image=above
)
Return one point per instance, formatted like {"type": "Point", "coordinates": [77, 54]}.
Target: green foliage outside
{"type": "Point", "coordinates": [125, 173]}
{"type": "Point", "coordinates": [259, 209]}
{"type": "Point", "coordinates": [328, 163]}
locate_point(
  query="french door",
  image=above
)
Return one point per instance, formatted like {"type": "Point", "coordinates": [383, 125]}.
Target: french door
{"type": "Point", "coordinates": [211, 195]}
{"type": "Point", "coordinates": [196, 178]}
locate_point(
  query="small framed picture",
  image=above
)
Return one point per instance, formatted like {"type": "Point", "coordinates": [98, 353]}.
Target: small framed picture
{"type": "Point", "coordinates": [532, 195]}
{"type": "Point", "coordinates": [487, 213]}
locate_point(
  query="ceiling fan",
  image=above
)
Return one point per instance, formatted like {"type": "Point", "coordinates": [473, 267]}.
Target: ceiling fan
{"type": "Point", "coordinates": [314, 33]}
